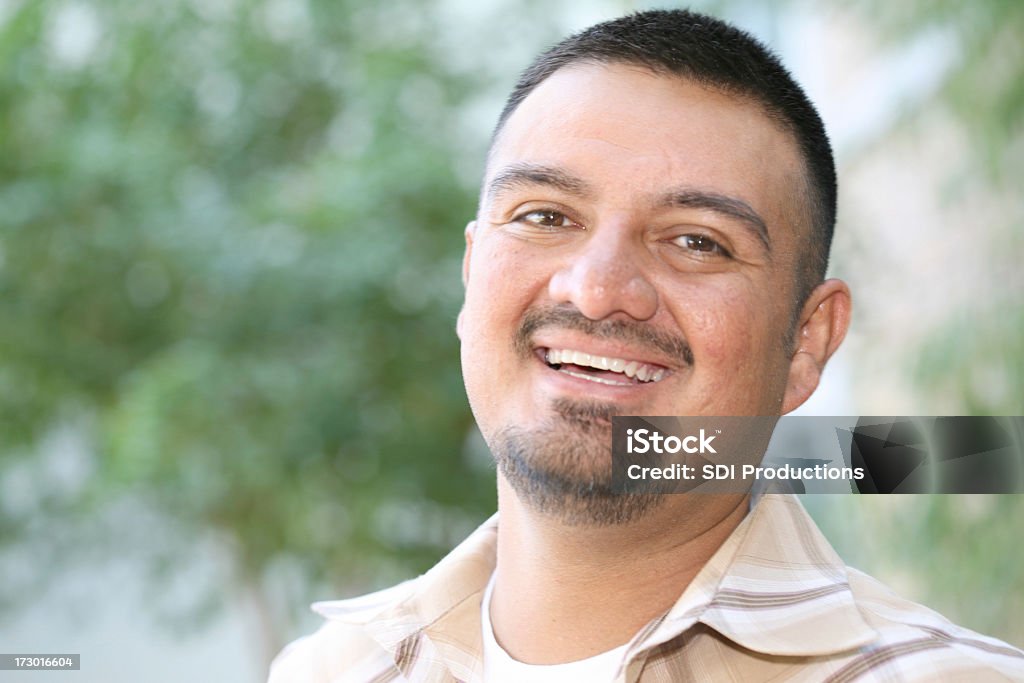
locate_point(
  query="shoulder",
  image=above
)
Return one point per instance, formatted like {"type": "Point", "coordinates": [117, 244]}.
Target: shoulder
{"type": "Point", "coordinates": [917, 643]}
{"type": "Point", "coordinates": [336, 648]}
{"type": "Point", "coordinates": [368, 638]}
{"type": "Point", "coordinates": [342, 649]}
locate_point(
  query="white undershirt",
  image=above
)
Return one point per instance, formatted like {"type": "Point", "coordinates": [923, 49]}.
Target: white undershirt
{"type": "Point", "coordinates": [499, 667]}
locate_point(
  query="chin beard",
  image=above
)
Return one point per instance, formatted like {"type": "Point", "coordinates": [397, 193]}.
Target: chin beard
{"type": "Point", "coordinates": [564, 470]}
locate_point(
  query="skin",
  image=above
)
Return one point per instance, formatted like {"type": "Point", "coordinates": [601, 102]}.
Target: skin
{"type": "Point", "coordinates": [609, 246]}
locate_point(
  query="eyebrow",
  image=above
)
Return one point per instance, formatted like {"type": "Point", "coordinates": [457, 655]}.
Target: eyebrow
{"type": "Point", "coordinates": [519, 175]}
{"type": "Point", "coordinates": [729, 207]}
{"type": "Point", "coordinates": [525, 174]}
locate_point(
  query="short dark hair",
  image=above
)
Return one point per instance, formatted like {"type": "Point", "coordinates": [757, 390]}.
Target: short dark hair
{"type": "Point", "coordinates": [720, 56]}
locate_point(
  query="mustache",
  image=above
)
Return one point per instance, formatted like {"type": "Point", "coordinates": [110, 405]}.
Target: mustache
{"type": "Point", "coordinates": [568, 317]}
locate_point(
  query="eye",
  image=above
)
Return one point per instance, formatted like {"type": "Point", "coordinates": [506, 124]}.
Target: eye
{"type": "Point", "coordinates": [702, 244]}
{"type": "Point", "coordinates": [546, 219]}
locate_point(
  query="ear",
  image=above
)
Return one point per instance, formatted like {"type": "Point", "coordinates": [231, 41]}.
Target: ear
{"type": "Point", "coordinates": [822, 326]}
{"type": "Point", "coordinates": [470, 231]}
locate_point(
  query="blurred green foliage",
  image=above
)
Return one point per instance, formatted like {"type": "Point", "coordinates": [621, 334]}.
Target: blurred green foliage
{"type": "Point", "coordinates": [958, 554]}
{"type": "Point", "coordinates": [231, 244]}
{"type": "Point", "coordinates": [977, 355]}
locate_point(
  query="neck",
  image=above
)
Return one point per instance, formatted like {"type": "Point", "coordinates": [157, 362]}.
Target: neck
{"type": "Point", "coordinates": [564, 593]}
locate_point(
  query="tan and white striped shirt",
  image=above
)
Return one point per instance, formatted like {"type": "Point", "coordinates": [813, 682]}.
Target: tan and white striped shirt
{"type": "Point", "coordinates": [774, 603]}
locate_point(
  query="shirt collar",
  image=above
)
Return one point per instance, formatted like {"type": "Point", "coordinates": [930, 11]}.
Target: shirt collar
{"type": "Point", "coordinates": [444, 604]}
{"type": "Point", "coordinates": [775, 586]}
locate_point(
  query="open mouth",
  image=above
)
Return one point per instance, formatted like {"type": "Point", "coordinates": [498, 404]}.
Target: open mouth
{"type": "Point", "coordinates": [619, 372]}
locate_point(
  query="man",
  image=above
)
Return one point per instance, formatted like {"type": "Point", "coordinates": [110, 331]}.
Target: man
{"type": "Point", "coordinates": [651, 239]}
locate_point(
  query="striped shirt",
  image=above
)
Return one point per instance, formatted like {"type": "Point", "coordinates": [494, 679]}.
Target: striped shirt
{"type": "Point", "coordinates": [774, 603]}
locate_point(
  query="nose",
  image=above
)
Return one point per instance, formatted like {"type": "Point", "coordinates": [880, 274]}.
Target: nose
{"type": "Point", "coordinates": [606, 276]}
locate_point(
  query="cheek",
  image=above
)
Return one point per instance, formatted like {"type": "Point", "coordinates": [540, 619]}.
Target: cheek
{"type": "Point", "coordinates": [501, 286]}
{"type": "Point", "coordinates": [498, 287]}
{"type": "Point", "coordinates": [736, 335]}
{"type": "Point", "coordinates": [722, 328]}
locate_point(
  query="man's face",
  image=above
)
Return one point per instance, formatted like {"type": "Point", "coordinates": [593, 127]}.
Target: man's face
{"type": "Point", "coordinates": [639, 222]}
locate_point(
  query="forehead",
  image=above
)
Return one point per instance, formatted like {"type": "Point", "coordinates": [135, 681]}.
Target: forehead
{"type": "Point", "coordinates": [631, 133]}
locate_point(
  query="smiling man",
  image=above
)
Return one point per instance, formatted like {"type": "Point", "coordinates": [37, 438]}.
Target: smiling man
{"type": "Point", "coordinates": [651, 239]}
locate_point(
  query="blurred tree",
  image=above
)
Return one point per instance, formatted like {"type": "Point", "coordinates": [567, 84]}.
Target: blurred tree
{"type": "Point", "coordinates": [977, 355]}
{"type": "Point", "coordinates": [230, 253]}
{"type": "Point", "coordinates": [958, 553]}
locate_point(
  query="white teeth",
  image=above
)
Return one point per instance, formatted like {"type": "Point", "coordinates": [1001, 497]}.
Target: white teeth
{"type": "Point", "coordinates": [580, 358]}
{"type": "Point", "coordinates": [599, 380]}
{"type": "Point", "coordinates": [632, 369]}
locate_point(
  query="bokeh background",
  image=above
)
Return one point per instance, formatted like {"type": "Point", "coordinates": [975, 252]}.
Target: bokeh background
{"type": "Point", "coordinates": [230, 236]}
